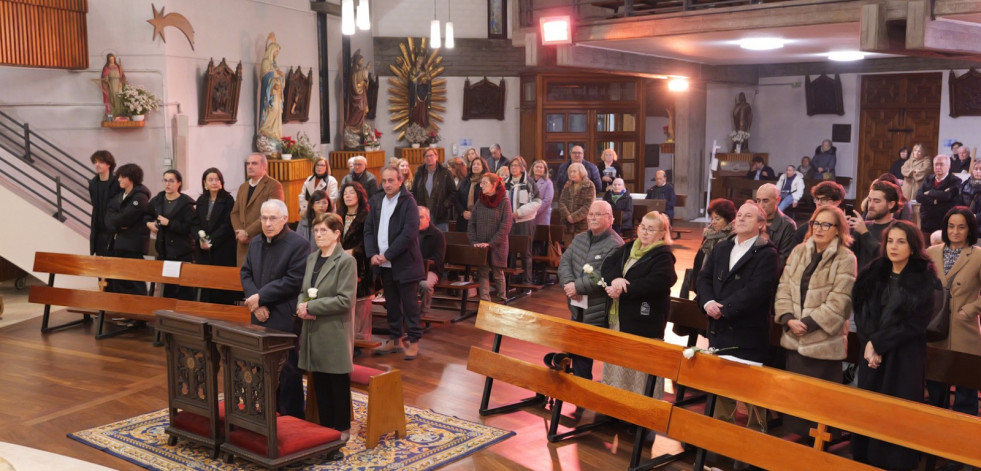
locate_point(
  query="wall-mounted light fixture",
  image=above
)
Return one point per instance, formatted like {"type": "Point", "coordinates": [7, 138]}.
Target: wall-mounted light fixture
{"type": "Point", "coordinates": [556, 30]}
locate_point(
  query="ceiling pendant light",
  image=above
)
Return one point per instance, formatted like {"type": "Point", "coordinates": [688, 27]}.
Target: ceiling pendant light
{"type": "Point", "coordinates": [347, 17]}
{"type": "Point", "coordinates": [449, 26]}
{"type": "Point", "coordinates": [434, 41]}
{"type": "Point", "coordinates": [363, 21]}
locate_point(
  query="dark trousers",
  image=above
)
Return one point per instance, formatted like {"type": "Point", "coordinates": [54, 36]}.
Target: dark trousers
{"type": "Point", "coordinates": [581, 366]}
{"type": "Point", "coordinates": [402, 304]}
{"type": "Point", "coordinates": [126, 286]}
{"type": "Point", "coordinates": [333, 399]}
{"type": "Point", "coordinates": [289, 395]}
{"type": "Point", "coordinates": [965, 400]}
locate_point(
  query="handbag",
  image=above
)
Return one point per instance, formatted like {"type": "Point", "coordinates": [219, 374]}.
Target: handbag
{"type": "Point", "coordinates": [553, 251]}
{"type": "Point", "coordinates": [939, 327]}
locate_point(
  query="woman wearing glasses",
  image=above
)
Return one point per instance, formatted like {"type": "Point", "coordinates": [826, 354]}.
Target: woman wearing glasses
{"type": "Point", "coordinates": [641, 274]}
{"type": "Point", "coordinates": [813, 302]}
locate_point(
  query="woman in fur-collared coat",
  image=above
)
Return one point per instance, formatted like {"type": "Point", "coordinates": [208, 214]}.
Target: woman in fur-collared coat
{"type": "Point", "coordinates": [813, 302]}
{"type": "Point", "coordinates": [893, 300]}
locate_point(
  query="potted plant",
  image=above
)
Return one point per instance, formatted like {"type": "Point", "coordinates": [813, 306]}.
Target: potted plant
{"type": "Point", "coordinates": [301, 147]}
{"type": "Point", "coordinates": [433, 138]}
{"type": "Point", "coordinates": [138, 102]}
{"type": "Point", "coordinates": [416, 135]}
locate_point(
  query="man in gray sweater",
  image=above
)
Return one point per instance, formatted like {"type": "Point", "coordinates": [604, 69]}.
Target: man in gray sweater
{"type": "Point", "coordinates": [587, 297]}
{"type": "Point", "coordinates": [780, 228]}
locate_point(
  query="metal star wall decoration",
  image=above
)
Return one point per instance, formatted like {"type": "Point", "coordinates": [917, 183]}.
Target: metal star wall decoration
{"type": "Point", "coordinates": [177, 20]}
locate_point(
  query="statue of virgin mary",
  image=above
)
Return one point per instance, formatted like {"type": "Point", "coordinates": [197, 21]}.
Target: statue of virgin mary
{"type": "Point", "coordinates": [270, 124]}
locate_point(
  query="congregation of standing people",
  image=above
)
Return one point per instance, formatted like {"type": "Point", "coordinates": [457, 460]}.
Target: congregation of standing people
{"type": "Point", "coordinates": [868, 270]}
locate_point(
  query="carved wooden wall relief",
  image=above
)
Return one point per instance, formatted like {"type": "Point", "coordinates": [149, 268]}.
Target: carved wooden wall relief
{"type": "Point", "coordinates": [219, 102]}
{"type": "Point", "coordinates": [483, 100]}
{"type": "Point", "coordinates": [965, 93]}
{"type": "Point", "coordinates": [296, 106]}
{"type": "Point", "coordinates": [824, 95]}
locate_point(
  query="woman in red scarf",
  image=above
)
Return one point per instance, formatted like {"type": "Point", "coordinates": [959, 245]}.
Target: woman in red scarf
{"type": "Point", "coordinates": [490, 224]}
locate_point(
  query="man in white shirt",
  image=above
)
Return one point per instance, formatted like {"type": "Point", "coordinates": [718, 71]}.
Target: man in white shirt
{"type": "Point", "coordinates": [391, 242]}
{"type": "Point", "coordinates": [736, 288]}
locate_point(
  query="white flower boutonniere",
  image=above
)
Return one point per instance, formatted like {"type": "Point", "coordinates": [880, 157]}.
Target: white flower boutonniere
{"type": "Point", "coordinates": [689, 352]}
{"type": "Point", "coordinates": [312, 293]}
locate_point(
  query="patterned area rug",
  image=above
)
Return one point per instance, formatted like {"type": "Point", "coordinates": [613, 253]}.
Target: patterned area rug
{"type": "Point", "coordinates": [432, 440]}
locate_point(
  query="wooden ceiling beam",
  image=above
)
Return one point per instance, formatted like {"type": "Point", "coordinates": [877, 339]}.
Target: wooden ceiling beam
{"type": "Point", "coordinates": [605, 60]}
{"type": "Point", "coordinates": [751, 17]}
{"type": "Point", "coordinates": [940, 35]}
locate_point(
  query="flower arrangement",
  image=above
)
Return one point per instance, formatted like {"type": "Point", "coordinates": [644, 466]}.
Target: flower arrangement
{"type": "Point", "coordinates": [415, 134]}
{"type": "Point", "coordinates": [596, 277]}
{"type": "Point", "coordinates": [138, 100]}
{"type": "Point", "coordinates": [301, 147]}
{"type": "Point", "coordinates": [372, 138]}
{"type": "Point", "coordinates": [433, 137]}
{"type": "Point", "coordinates": [739, 137]}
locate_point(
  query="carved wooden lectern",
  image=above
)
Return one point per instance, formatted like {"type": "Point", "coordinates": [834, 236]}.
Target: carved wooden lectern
{"type": "Point", "coordinates": [192, 380]}
{"type": "Point", "coordinates": [251, 358]}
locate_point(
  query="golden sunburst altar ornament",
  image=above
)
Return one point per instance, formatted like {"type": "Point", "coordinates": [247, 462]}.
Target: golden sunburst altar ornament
{"type": "Point", "coordinates": [416, 91]}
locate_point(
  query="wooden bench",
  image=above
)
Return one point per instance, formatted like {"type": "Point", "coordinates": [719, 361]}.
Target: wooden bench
{"type": "Point", "coordinates": [517, 244]}
{"type": "Point", "coordinates": [468, 258]}
{"type": "Point", "coordinates": [540, 263]}
{"type": "Point", "coordinates": [385, 404]}
{"type": "Point", "coordinates": [928, 429]}
{"type": "Point", "coordinates": [135, 307]}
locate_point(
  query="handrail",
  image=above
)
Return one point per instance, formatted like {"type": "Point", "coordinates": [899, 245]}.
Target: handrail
{"type": "Point", "coordinates": [60, 171]}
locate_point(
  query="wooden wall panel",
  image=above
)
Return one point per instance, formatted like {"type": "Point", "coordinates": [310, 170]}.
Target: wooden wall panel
{"type": "Point", "coordinates": [44, 33]}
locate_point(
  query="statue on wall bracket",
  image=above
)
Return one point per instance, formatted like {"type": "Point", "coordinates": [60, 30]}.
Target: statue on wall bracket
{"type": "Point", "coordinates": [964, 97]}
{"type": "Point", "coordinates": [824, 95]}
{"type": "Point", "coordinates": [297, 101]}
{"type": "Point", "coordinates": [416, 89]}
{"type": "Point", "coordinates": [356, 106]}
{"type": "Point", "coordinates": [219, 102]}
{"type": "Point", "coordinates": [483, 100]}
{"type": "Point", "coordinates": [269, 125]}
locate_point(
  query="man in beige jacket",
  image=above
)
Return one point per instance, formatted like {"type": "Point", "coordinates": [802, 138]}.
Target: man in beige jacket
{"type": "Point", "coordinates": [251, 194]}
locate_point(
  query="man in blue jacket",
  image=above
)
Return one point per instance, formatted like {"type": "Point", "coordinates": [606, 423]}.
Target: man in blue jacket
{"type": "Point", "coordinates": [271, 277]}
{"type": "Point", "coordinates": [391, 242]}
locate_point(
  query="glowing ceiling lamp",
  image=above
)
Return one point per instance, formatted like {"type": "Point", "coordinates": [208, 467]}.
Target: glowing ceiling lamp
{"type": "Point", "coordinates": [761, 44]}
{"type": "Point", "coordinates": [556, 30]}
{"type": "Point", "coordinates": [347, 17]}
{"type": "Point", "coordinates": [846, 56]}
{"type": "Point", "coordinates": [678, 84]}
{"type": "Point", "coordinates": [364, 20]}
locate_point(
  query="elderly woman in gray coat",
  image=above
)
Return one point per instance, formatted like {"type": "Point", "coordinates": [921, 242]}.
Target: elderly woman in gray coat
{"type": "Point", "coordinates": [579, 274]}
{"type": "Point", "coordinates": [326, 306]}
{"type": "Point", "coordinates": [490, 224]}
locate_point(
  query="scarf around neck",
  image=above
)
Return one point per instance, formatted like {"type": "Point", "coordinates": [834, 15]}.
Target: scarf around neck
{"type": "Point", "coordinates": [493, 200]}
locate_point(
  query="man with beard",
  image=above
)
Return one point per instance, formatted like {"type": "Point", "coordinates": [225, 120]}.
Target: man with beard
{"type": "Point", "coordinates": [882, 202]}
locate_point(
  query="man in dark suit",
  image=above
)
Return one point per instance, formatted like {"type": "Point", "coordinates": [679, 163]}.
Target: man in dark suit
{"type": "Point", "coordinates": [497, 159]}
{"type": "Point", "coordinates": [760, 170]}
{"type": "Point", "coordinates": [736, 288]}
{"type": "Point", "coordinates": [391, 242]}
{"type": "Point", "coordinates": [251, 194]}
{"type": "Point", "coordinates": [271, 278]}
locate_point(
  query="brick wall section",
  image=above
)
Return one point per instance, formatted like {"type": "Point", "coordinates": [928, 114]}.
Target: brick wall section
{"type": "Point", "coordinates": [471, 57]}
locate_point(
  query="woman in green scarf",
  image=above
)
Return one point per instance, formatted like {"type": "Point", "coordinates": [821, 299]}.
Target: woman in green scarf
{"type": "Point", "coordinates": [641, 275]}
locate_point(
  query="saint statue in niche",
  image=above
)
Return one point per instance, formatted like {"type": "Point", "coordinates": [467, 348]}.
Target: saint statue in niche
{"type": "Point", "coordinates": [270, 98]}
{"type": "Point", "coordinates": [113, 79]}
{"type": "Point", "coordinates": [742, 120]}
{"type": "Point", "coordinates": [357, 103]}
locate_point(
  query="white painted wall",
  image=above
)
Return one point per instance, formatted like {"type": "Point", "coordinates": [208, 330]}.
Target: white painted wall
{"type": "Point", "coordinates": [483, 132]}
{"type": "Point", "coordinates": [782, 128]}
{"type": "Point", "coordinates": [66, 106]}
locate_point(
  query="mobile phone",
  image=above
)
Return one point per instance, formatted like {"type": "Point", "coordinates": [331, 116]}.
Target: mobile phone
{"type": "Point", "coordinates": [848, 208]}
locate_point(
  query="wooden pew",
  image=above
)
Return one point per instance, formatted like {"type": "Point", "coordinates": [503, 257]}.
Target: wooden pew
{"type": "Point", "coordinates": [469, 258]}
{"type": "Point", "coordinates": [540, 263]}
{"type": "Point", "coordinates": [928, 429]}
{"type": "Point", "coordinates": [130, 306]}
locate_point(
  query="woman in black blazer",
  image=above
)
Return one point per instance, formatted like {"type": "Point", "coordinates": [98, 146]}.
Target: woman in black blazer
{"type": "Point", "coordinates": [213, 219]}
{"type": "Point", "coordinates": [170, 215]}
{"type": "Point", "coordinates": [352, 207]}
{"type": "Point", "coordinates": [640, 275]}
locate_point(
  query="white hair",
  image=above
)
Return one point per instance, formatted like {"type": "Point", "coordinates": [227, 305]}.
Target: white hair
{"type": "Point", "coordinates": [360, 158]}
{"type": "Point", "coordinates": [278, 204]}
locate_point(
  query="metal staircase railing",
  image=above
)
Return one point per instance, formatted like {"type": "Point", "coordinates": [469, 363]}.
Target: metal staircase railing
{"type": "Point", "coordinates": [52, 175]}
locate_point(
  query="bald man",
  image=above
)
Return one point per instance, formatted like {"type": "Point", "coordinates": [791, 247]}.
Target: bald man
{"type": "Point", "coordinates": [780, 228]}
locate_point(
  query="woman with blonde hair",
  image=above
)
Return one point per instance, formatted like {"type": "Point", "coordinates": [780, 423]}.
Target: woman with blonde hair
{"type": "Point", "coordinates": [546, 191]}
{"type": "Point", "coordinates": [406, 170]}
{"type": "Point", "coordinates": [470, 155]}
{"type": "Point", "coordinates": [609, 169]}
{"type": "Point", "coordinates": [917, 167]}
{"type": "Point", "coordinates": [814, 301]}
{"type": "Point", "coordinates": [641, 274]}
{"type": "Point", "coordinates": [578, 193]}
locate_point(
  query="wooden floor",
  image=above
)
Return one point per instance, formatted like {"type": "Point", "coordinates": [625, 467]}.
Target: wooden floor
{"type": "Point", "coordinates": [67, 381]}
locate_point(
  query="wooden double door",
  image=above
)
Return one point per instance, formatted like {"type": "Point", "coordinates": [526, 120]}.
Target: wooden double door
{"type": "Point", "coordinates": [896, 110]}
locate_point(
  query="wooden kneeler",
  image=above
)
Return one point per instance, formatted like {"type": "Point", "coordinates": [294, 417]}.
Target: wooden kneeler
{"type": "Point", "coordinates": [386, 406]}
